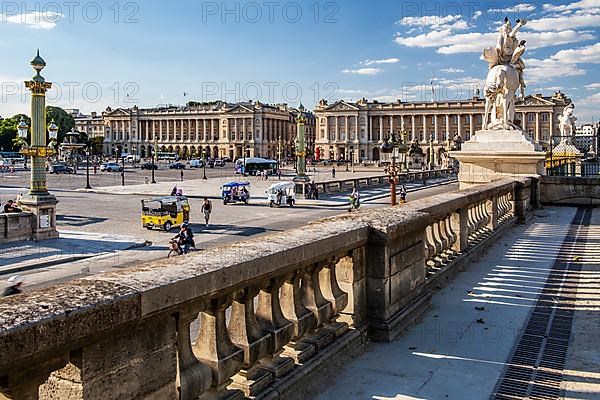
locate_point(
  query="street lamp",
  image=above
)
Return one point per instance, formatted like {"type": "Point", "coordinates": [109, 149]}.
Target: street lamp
{"type": "Point", "coordinates": [87, 167]}
{"type": "Point", "coordinates": [352, 159]}
{"type": "Point", "coordinates": [123, 165]}
{"type": "Point", "coordinates": [244, 155]}
{"type": "Point", "coordinates": [38, 200]}
{"type": "Point", "coordinates": [204, 164]}
{"type": "Point", "coordinates": [154, 159]}
{"type": "Point", "coordinates": [393, 146]}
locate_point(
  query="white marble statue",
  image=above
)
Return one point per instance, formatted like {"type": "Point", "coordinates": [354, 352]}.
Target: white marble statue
{"type": "Point", "coordinates": [504, 78]}
{"type": "Point", "coordinates": [567, 123]}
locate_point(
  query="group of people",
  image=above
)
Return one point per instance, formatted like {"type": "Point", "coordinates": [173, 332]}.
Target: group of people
{"type": "Point", "coordinates": [177, 191]}
{"type": "Point", "coordinates": [10, 207]}
{"type": "Point", "coordinates": [185, 236]}
{"type": "Point", "coordinates": [354, 200]}
{"type": "Point", "coordinates": [312, 192]}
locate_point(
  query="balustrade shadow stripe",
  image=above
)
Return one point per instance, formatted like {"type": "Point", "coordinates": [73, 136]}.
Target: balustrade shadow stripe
{"type": "Point", "coordinates": [535, 369]}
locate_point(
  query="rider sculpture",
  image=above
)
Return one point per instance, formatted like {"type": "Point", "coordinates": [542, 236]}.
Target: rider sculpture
{"type": "Point", "coordinates": [504, 78]}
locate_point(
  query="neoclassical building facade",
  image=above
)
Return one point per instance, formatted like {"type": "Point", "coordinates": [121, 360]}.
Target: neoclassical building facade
{"type": "Point", "coordinates": [357, 129]}
{"type": "Point", "coordinates": [215, 129]}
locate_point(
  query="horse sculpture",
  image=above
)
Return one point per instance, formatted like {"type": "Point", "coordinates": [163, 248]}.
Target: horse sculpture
{"type": "Point", "coordinates": [500, 90]}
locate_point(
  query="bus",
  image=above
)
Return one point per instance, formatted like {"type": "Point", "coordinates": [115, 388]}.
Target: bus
{"type": "Point", "coordinates": [11, 158]}
{"type": "Point", "coordinates": [256, 165]}
{"type": "Point", "coordinates": [164, 156]}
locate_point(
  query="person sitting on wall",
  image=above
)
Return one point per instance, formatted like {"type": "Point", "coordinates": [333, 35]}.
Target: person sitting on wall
{"type": "Point", "coordinates": [10, 207]}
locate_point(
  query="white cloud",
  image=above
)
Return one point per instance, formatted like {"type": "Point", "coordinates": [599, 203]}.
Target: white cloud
{"type": "Point", "coordinates": [518, 8]}
{"type": "Point", "coordinates": [392, 60]}
{"type": "Point", "coordinates": [452, 70]}
{"type": "Point", "coordinates": [435, 22]}
{"type": "Point", "coordinates": [586, 109]}
{"type": "Point", "coordinates": [563, 63]}
{"type": "Point", "coordinates": [35, 20]}
{"type": "Point", "coordinates": [593, 86]}
{"type": "Point", "coordinates": [477, 14]}
{"type": "Point", "coordinates": [583, 4]}
{"type": "Point", "coordinates": [448, 42]}
{"type": "Point", "coordinates": [560, 22]}
{"type": "Point", "coordinates": [363, 71]}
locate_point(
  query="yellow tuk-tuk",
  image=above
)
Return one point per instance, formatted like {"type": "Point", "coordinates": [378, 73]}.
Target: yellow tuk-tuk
{"type": "Point", "coordinates": [165, 212]}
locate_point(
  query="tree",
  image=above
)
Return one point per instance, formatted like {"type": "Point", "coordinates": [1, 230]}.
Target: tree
{"type": "Point", "coordinates": [8, 127]}
{"type": "Point", "coordinates": [96, 144]}
{"type": "Point", "coordinates": [8, 132]}
{"type": "Point", "coordinates": [62, 119]}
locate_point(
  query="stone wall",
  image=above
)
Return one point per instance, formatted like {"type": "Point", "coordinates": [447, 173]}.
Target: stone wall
{"type": "Point", "coordinates": [570, 190]}
{"type": "Point", "coordinates": [262, 318]}
{"type": "Point", "coordinates": [15, 226]}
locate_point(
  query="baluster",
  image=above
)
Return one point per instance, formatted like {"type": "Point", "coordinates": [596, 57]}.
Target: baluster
{"type": "Point", "coordinates": [193, 378]}
{"type": "Point", "coordinates": [246, 334]}
{"type": "Point", "coordinates": [492, 211]}
{"type": "Point", "coordinates": [215, 349]}
{"type": "Point", "coordinates": [443, 239]}
{"type": "Point", "coordinates": [302, 319]}
{"type": "Point", "coordinates": [430, 244]}
{"type": "Point", "coordinates": [335, 295]}
{"type": "Point", "coordinates": [452, 236]}
{"type": "Point", "coordinates": [271, 319]}
{"type": "Point", "coordinates": [470, 222]}
{"type": "Point", "coordinates": [448, 236]}
{"type": "Point", "coordinates": [459, 224]}
{"type": "Point", "coordinates": [313, 300]}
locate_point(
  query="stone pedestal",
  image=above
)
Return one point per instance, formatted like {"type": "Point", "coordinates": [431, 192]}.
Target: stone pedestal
{"type": "Point", "coordinates": [301, 181]}
{"type": "Point", "coordinates": [43, 208]}
{"type": "Point", "coordinates": [492, 155]}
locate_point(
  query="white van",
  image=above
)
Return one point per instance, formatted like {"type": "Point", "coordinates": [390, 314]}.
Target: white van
{"type": "Point", "coordinates": [196, 163]}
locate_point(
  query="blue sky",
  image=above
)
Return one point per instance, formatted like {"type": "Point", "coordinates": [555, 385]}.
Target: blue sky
{"type": "Point", "coordinates": [109, 53]}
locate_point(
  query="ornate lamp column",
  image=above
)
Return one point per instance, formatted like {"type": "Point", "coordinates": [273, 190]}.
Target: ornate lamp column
{"type": "Point", "coordinates": [38, 200]}
{"type": "Point", "coordinates": [301, 179]}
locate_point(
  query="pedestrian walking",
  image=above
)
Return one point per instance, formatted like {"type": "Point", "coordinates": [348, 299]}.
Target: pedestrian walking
{"type": "Point", "coordinates": [333, 172]}
{"type": "Point", "coordinates": [181, 174]}
{"type": "Point", "coordinates": [402, 194]}
{"type": "Point", "coordinates": [206, 210]}
{"type": "Point", "coordinates": [174, 191]}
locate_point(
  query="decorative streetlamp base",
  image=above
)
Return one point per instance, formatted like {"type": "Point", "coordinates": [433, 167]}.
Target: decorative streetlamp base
{"type": "Point", "coordinates": [301, 181]}
{"type": "Point", "coordinates": [43, 208]}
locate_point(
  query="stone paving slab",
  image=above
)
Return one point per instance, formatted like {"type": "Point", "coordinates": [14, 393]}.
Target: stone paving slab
{"type": "Point", "coordinates": [71, 246]}
{"type": "Point", "coordinates": [459, 349]}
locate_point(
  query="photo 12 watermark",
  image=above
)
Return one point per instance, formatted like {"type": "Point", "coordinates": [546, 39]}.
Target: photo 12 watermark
{"type": "Point", "coordinates": [253, 12]}
{"type": "Point", "coordinates": [46, 15]}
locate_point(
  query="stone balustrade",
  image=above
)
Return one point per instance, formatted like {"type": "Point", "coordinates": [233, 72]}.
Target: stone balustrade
{"type": "Point", "coordinates": [258, 319]}
{"type": "Point", "coordinates": [16, 226]}
{"type": "Point", "coordinates": [341, 185]}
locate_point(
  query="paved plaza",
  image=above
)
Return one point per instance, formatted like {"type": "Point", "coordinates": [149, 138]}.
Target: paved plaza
{"type": "Point", "coordinates": [101, 229]}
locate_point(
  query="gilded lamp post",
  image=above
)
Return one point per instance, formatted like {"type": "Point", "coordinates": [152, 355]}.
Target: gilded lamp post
{"type": "Point", "coordinates": [301, 179]}
{"type": "Point", "coordinates": [38, 200]}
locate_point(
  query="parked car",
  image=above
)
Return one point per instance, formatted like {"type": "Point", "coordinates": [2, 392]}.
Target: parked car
{"type": "Point", "coordinates": [196, 163]}
{"type": "Point", "coordinates": [111, 167]}
{"type": "Point", "coordinates": [219, 163]}
{"type": "Point", "coordinates": [61, 169]}
{"type": "Point", "coordinates": [210, 163]}
{"type": "Point", "coordinates": [177, 165]}
{"type": "Point", "coordinates": [226, 159]}
{"type": "Point", "coordinates": [149, 166]}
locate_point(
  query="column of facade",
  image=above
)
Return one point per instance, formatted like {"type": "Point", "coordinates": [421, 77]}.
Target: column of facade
{"type": "Point", "coordinates": [391, 124]}
{"type": "Point", "coordinates": [471, 125]}
{"type": "Point", "coordinates": [425, 132]}
{"type": "Point", "coordinates": [448, 134]}
{"type": "Point", "coordinates": [370, 127]}
{"type": "Point", "coordinates": [436, 127]}
{"type": "Point", "coordinates": [459, 124]}
{"type": "Point", "coordinates": [413, 128]}
{"type": "Point", "coordinates": [347, 128]}
{"type": "Point", "coordinates": [524, 122]}
{"type": "Point", "coordinates": [537, 127]}
{"type": "Point", "coordinates": [551, 120]}
{"type": "Point", "coordinates": [381, 128]}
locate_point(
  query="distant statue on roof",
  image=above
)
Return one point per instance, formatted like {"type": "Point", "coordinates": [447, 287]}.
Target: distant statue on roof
{"type": "Point", "coordinates": [567, 121]}
{"type": "Point", "coordinates": [504, 78]}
